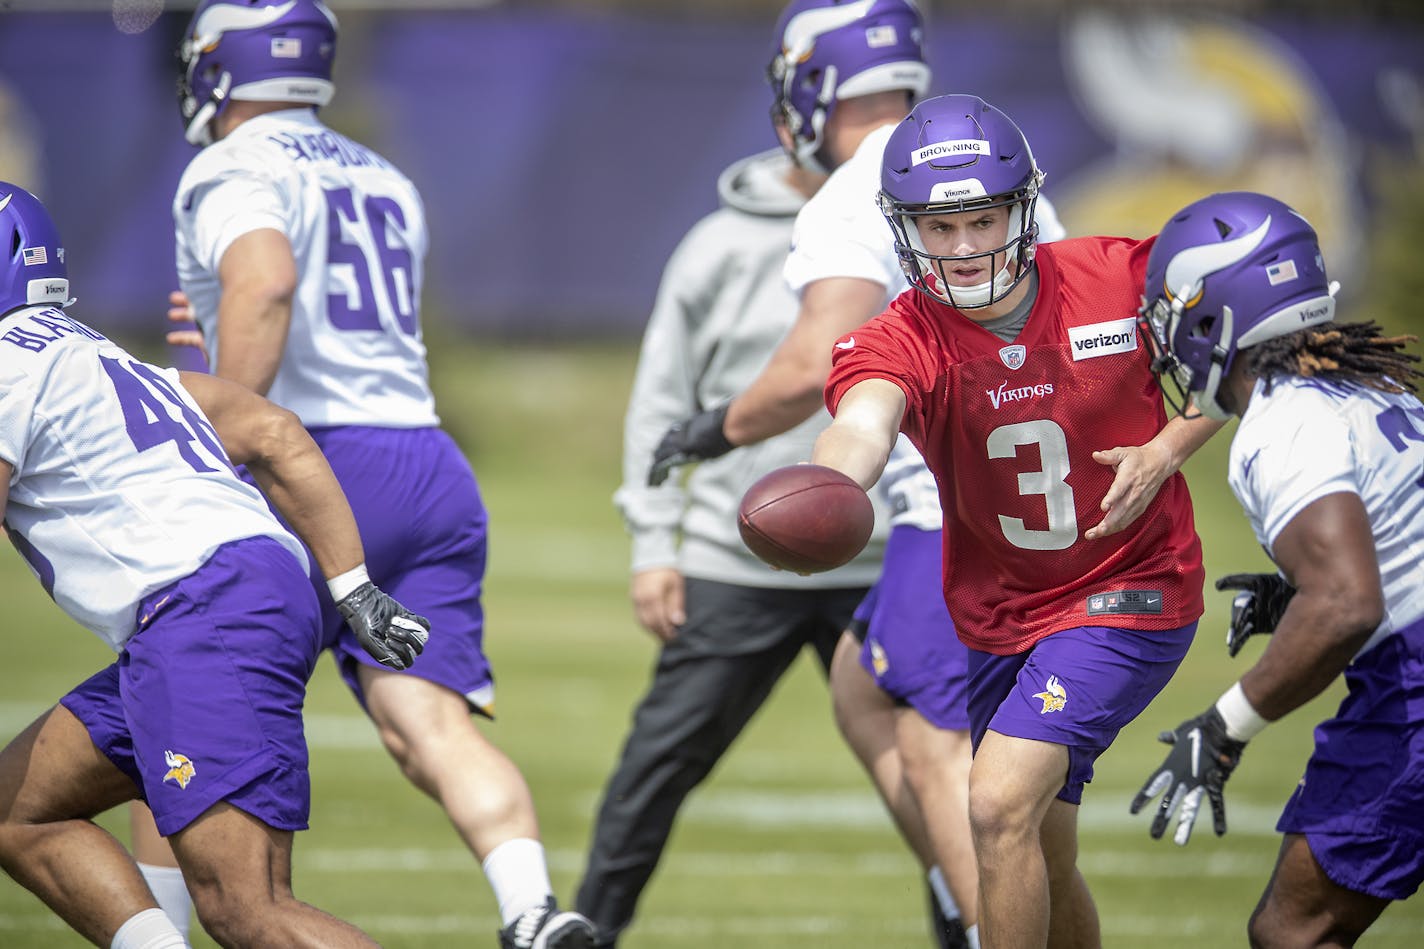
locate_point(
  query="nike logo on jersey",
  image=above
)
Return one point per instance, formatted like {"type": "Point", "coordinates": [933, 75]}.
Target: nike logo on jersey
{"type": "Point", "coordinates": [1125, 601]}
{"type": "Point", "coordinates": [1103, 339]}
{"type": "Point", "coordinates": [6, 203]}
{"type": "Point", "coordinates": [847, 343]}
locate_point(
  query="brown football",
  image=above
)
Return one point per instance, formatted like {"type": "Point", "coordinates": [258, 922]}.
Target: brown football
{"type": "Point", "coordinates": [806, 518]}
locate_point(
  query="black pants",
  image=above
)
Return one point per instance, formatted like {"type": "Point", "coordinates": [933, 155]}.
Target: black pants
{"type": "Point", "coordinates": [709, 681]}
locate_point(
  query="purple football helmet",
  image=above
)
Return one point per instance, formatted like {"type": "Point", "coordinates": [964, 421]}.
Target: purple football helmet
{"type": "Point", "coordinates": [1227, 272]}
{"type": "Point", "coordinates": [34, 271]}
{"type": "Point", "coordinates": [260, 50]}
{"type": "Point", "coordinates": [828, 50]}
{"type": "Point", "coordinates": [953, 154]}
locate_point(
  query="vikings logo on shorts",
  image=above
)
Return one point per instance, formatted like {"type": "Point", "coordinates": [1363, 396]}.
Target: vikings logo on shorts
{"type": "Point", "coordinates": [878, 660]}
{"type": "Point", "coordinates": [1054, 696]}
{"type": "Point", "coordinates": [180, 769]}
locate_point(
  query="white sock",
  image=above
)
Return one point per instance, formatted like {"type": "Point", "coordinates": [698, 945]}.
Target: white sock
{"type": "Point", "coordinates": [947, 905]}
{"type": "Point", "coordinates": [172, 894]}
{"type": "Point", "coordinates": [149, 929]}
{"type": "Point", "coordinates": [519, 877]}
{"type": "Point", "coordinates": [973, 933]}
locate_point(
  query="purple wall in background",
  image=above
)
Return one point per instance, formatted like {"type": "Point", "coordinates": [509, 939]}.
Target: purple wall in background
{"type": "Point", "coordinates": [561, 156]}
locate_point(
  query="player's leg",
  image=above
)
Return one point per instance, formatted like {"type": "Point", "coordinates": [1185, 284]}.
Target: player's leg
{"type": "Point", "coordinates": [865, 716]}
{"type": "Point", "coordinates": [212, 690]}
{"type": "Point", "coordinates": [709, 681]}
{"type": "Point", "coordinates": [53, 779]}
{"type": "Point", "coordinates": [917, 660]}
{"type": "Point", "coordinates": [1303, 907]}
{"type": "Point", "coordinates": [1011, 785]}
{"type": "Point", "coordinates": [1354, 826]}
{"type": "Point", "coordinates": [937, 762]}
{"type": "Point", "coordinates": [239, 871]}
{"type": "Point", "coordinates": [424, 526]}
{"type": "Point", "coordinates": [1072, 915]}
{"type": "Point", "coordinates": [159, 867]}
{"type": "Point", "coordinates": [1041, 719]}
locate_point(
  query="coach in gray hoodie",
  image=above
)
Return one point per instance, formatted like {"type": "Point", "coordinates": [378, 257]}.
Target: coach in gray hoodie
{"type": "Point", "coordinates": [729, 625]}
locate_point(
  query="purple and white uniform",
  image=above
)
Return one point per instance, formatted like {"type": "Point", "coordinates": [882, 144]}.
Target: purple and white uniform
{"type": "Point", "coordinates": [1360, 803]}
{"type": "Point", "coordinates": [354, 368]}
{"type": "Point", "coordinates": [126, 508]}
{"type": "Point", "coordinates": [910, 646]}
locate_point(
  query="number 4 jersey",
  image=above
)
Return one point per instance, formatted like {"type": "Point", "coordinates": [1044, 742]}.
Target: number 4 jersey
{"type": "Point", "coordinates": [354, 353]}
{"type": "Point", "coordinates": [1009, 431]}
{"type": "Point", "coordinates": [120, 484]}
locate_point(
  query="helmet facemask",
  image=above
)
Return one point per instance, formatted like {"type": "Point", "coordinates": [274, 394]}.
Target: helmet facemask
{"type": "Point", "coordinates": [926, 271]}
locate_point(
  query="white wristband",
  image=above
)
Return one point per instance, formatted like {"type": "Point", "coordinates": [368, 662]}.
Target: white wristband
{"type": "Point", "coordinates": [1242, 720]}
{"type": "Point", "coordinates": [348, 581]}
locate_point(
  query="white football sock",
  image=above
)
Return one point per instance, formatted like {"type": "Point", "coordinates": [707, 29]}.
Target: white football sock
{"type": "Point", "coordinates": [973, 933]}
{"type": "Point", "coordinates": [172, 894]}
{"type": "Point", "coordinates": [519, 877]}
{"type": "Point", "coordinates": [149, 929]}
{"type": "Point", "coordinates": [943, 897]}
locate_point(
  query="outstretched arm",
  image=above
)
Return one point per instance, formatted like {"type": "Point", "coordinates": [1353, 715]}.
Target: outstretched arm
{"type": "Point", "coordinates": [1139, 471]}
{"type": "Point", "coordinates": [867, 422]}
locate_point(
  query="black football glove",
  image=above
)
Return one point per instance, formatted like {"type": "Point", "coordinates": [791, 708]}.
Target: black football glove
{"type": "Point", "coordinates": [392, 634]}
{"type": "Point", "coordinates": [1257, 608]}
{"type": "Point", "coordinates": [693, 439]}
{"type": "Point", "coordinates": [1201, 759]}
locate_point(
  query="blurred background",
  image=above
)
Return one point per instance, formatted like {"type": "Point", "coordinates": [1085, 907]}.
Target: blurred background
{"type": "Point", "coordinates": [563, 148]}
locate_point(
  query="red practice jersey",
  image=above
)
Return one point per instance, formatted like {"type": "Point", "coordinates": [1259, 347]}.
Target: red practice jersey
{"type": "Point", "coordinates": [1009, 431]}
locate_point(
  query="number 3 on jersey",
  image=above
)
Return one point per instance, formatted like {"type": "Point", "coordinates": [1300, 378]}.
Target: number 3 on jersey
{"type": "Point", "coordinates": [362, 241]}
{"type": "Point", "coordinates": [1051, 481]}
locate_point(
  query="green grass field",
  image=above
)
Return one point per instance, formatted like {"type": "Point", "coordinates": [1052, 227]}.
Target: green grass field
{"type": "Point", "coordinates": [785, 846]}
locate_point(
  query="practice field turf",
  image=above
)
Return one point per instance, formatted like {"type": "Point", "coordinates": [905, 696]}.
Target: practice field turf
{"type": "Point", "coordinates": [786, 845]}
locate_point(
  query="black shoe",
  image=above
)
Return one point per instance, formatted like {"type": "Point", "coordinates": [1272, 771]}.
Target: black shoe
{"type": "Point", "coordinates": [544, 927]}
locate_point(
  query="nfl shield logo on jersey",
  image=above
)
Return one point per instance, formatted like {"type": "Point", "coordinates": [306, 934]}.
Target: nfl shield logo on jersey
{"type": "Point", "coordinates": [1013, 356]}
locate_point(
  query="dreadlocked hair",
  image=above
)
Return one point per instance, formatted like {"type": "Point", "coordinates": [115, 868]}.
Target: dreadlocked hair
{"type": "Point", "coordinates": [1346, 352]}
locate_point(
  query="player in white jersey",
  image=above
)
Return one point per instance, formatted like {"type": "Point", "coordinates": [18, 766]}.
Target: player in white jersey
{"type": "Point", "coordinates": [1327, 465]}
{"type": "Point", "coordinates": [845, 270]}
{"type": "Point", "coordinates": [301, 253]}
{"type": "Point", "coordinates": [122, 499]}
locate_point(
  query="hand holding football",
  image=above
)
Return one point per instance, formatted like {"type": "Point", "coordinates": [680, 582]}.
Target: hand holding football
{"type": "Point", "coordinates": [806, 518]}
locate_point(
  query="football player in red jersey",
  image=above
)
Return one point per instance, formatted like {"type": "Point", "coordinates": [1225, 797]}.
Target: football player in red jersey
{"type": "Point", "coordinates": [1072, 569]}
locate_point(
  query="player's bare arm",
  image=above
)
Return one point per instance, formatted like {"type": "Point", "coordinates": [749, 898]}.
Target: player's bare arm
{"type": "Point", "coordinates": [867, 423]}
{"type": "Point", "coordinates": [258, 273]}
{"type": "Point", "coordinates": [1327, 552]}
{"type": "Point", "coordinates": [287, 465]}
{"type": "Point", "coordinates": [789, 390]}
{"type": "Point", "coordinates": [1140, 470]}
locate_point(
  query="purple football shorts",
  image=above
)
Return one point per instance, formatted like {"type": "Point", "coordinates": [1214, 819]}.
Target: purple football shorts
{"type": "Point", "coordinates": [1076, 687]}
{"type": "Point", "coordinates": [205, 702]}
{"type": "Point", "coordinates": [1360, 804]}
{"type": "Point", "coordinates": [424, 528]}
{"type": "Point", "coordinates": [910, 646]}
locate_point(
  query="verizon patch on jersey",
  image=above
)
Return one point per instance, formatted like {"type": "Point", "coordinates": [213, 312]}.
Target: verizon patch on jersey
{"type": "Point", "coordinates": [1125, 601]}
{"type": "Point", "coordinates": [1103, 339]}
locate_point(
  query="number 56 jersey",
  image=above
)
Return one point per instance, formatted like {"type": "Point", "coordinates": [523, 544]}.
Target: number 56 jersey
{"type": "Point", "coordinates": [1009, 432]}
{"type": "Point", "coordinates": [120, 486]}
{"type": "Point", "coordinates": [354, 354]}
